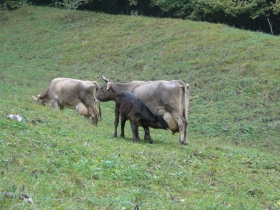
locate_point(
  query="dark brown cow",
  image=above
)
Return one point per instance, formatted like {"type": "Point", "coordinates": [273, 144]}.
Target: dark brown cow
{"type": "Point", "coordinates": [131, 108]}
{"type": "Point", "coordinates": [72, 93]}
{"type": "Point", "coordinates": [168, 99]}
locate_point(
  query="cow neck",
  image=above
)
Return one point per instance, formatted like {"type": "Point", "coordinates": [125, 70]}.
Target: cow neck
{"type": "Point", "coordinates": [118, 87]}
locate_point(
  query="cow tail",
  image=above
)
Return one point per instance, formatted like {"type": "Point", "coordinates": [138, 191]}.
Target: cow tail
{"type": "Point", "coordinates": [187, 99]}
{"type": "Point", "coordinates": [100, 113]}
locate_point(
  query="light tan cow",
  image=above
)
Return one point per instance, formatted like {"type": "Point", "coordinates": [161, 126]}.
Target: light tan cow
{"type": "Point", "coordinates": [72, 93]}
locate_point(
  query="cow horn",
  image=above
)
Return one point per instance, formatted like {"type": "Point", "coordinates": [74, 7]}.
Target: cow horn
{"type": "Point", "coordinates": [35, 98]}
{"type": "Point", "coordinates": [104, 78]}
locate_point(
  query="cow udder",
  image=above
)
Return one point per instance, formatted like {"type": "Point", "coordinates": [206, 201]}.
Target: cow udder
{"type": "Point", "coordinates": [168, 117]}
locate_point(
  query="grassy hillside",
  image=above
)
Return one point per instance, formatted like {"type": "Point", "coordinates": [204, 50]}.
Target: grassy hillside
{"type": "Point", "coordinates": [62, 162]}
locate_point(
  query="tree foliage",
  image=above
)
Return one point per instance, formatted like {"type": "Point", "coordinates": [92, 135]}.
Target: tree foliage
{"type": "Point", "coordinates": [254, 8]}
{"type": "Point", "coordinates": [70, 4]}
{"type": "Point", "coordinates": [247, 14]}
{"type": "Point", "coordinates": [275, 7]}
{"type": "Point", "coordinates": [198, 9]}
{"type": "Point", "coordinates": [12, 4]}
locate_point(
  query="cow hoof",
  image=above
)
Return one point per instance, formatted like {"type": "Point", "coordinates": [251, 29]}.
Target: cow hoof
{"type": "Point", "coordinates": [94, 122]}
{"type": "Point", "coordinates": [150, 140]}
{"type": "Point", "coordinates": [183, 143]}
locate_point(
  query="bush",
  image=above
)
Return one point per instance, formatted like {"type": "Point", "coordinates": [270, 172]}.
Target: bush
{"type": "Point", "coordinates": [275, 7]}
{"type": "Point", "coordinates": [69, 4]}
{"type": "Point", "coordinates": [12, 4]}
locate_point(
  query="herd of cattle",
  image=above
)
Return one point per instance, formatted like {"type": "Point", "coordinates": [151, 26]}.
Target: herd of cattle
{"type": "Point", "coordinates": [156, 104]}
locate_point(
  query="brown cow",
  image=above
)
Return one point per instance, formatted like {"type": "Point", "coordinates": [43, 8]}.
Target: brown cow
{"type": "Point", "coordinates": [72, 93]}
{"type": "Point", "coordinates": [168, 99]}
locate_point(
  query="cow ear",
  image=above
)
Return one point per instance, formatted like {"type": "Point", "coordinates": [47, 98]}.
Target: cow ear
{"type": "Point", "coordinates": [108, 85]}
{"type": "Point", "coordinates": [95, 84]}
{"type": "Point", "coordinates": [180, 85]}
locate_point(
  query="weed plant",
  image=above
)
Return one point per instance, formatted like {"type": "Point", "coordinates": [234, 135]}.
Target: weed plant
{"type": "Point", "coordinates": [61, 161]}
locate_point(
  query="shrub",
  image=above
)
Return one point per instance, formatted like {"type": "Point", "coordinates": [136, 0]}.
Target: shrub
{"type": "Point", "coordinates": [13, 4]}
{"type": "Point", "coordinates": [69, 4]}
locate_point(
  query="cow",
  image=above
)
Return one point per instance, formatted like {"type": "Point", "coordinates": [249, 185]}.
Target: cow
{"type": "Point", "coordinates": [168, 99]}
{"type": "Point", "coordinates": [129, 107]}
{"type": "Point", "coordinates": [72, 93]}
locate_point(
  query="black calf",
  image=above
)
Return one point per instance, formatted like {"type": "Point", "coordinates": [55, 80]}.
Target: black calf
{"type": "Point", "coordinates": [129, 107]}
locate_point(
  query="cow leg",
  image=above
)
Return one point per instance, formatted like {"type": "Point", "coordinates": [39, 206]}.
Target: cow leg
{"type": "Point", "coordinates": [182, 124]}
{"type": "Point", "coordinates": [137, 133]}
{"type": "Point", "coordinates": [94, 113]}
{"type": "Point", "coordinates": [86, 112]}
{"type": "Point", "coordinates": [185, 132]}
{"type": "Point", "coordinates": [54, 104]}
{"type": "Point", "coordinates": [89, 111]}
{"type": "Point", "coordinates": [61, 107]}
{"type": "Point", "coordinates": [123, 120]}
{"type": "Point", "coordinates": [94, 120]}
{"type": "Point", "coordinates": [147, 135]}
{"type": "Point", "coordinates": [116, 122]}
{"type": "Point", "coordinates": [134, 129]}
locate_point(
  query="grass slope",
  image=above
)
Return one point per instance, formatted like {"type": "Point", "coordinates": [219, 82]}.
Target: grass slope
{"type": "Point", "coordinates": [60, 160]}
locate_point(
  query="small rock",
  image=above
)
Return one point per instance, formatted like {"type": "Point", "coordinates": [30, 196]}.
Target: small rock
{"type": "Point", "coordinates": [16, 117]}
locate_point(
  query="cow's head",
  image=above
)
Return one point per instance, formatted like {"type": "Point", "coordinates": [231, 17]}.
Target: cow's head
{"type": "Point", "coordinates": [162, 122]}
{"type": "Point", "coordinates": [40, 100]}
{"type": "Point", "coordinates": [106, 91]}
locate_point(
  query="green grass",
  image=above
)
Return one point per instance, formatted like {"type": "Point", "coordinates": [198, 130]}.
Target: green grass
{"type": "Point", "coordinates": [62, 162]}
